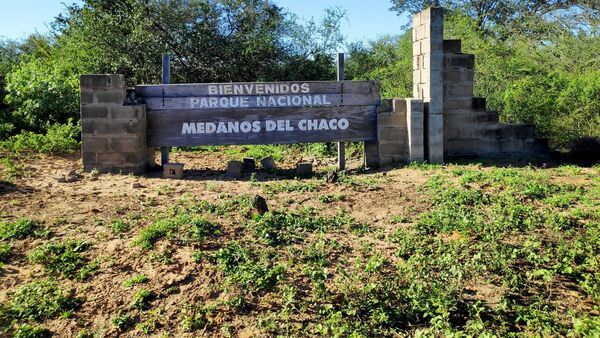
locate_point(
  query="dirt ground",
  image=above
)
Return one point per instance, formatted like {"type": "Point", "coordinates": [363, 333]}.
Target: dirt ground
{"type": "Point", "coordinates": [82, 210]}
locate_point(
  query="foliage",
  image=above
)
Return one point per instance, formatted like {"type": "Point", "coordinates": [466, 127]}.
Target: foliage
{"type": "Point", "coordinates": [194, 229]}
{"type": "Point", "coordinates": [245, 268]}
{"type": "Point", "coordinates": [21, 228]}
{"type": "Point", "coordinates": [40, 300]}
{"type": "Point", "coordinates": [135, 280]}
{"type": "Point", "coordinates": [64, 258]}
{"type": "Point", "coordinates": [58, 139]}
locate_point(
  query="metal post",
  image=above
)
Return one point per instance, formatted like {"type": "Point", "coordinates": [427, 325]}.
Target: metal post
{"type": "Point", "coordinates": [341, 146]}
{"type": "Point", "coordinates": [166, 79]}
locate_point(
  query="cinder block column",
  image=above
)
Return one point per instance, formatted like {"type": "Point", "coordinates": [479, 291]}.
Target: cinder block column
{"type": "Point", "coordinates": [428, 63]}
{"type": "Point", "coordinates": [392, 133]}
{"type": "Point", "coordinates": [414, 126]}
{"type": "Point", "coordinates": [113, 133]}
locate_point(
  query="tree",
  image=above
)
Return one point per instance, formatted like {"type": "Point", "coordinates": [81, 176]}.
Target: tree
{"type": "Point", "coordinates": [504, 13]}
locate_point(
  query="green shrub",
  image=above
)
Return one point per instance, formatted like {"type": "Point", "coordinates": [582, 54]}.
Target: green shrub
{"type": "Point", "coordinates": [59, 139]}
{"type": "Point", "coordinates": [64, 258]}
{"type": "Point", "coordinates": [42, 91]}
{"type": "Point", "coordinates": [21, 228]}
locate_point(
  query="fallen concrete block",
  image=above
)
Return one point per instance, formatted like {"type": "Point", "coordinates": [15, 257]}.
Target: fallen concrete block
{"type": "Point", "coordinates": [173, 170]}
{"type": "Point", "coordinates": [235, 169]}
{"type": "Point", "coordinates": [268, 163]}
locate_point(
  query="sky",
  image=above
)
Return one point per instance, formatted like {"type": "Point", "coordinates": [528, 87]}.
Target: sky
{"type": "Point", "coordinates": [366, 20]}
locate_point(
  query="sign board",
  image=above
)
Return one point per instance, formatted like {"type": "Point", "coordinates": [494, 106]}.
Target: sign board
{"type": "Point", "coordinates": [260, 112]}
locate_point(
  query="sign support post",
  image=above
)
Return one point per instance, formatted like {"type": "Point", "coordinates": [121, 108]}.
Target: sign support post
{"type": "Point", "coordinates": [341, 147]}
{"type": "Point", "coordinates": [166, 79]}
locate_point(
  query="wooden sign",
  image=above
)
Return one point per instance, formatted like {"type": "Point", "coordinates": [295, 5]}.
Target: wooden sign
{"type": "Point", "coordinates": [260, 113]}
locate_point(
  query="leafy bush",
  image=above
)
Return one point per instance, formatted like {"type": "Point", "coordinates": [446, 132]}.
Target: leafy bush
{"type": "Point", "coordinates": [42, 91]}
{"type": "Point", "coordinates": [59, 139]}
{"type": "Point", "coordinates": [64, 258]}
{"type": "Point", "coordinates": [20, 229]}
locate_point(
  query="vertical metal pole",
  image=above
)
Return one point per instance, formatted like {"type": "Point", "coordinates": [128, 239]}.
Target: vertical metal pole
{"type": "Point", "coordinates": [341, 146]}
{"type": "Point", "coordinates": [166, 79]}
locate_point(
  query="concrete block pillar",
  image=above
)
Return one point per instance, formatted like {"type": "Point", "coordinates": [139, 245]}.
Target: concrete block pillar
{"type": "Point", "coordinates": [113, 133]}
{"type": "Point", "coordinates": [428, 69]}
{"type": "Point", "coordinates": [414, 126]}
{"type": "Point", "coordinates": [392, 134]}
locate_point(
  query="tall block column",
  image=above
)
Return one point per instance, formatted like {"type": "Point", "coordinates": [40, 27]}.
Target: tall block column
{"type": "Point", "coordinates": [113, 133]}
{"type": "Point", "coordinates": [428, 68]}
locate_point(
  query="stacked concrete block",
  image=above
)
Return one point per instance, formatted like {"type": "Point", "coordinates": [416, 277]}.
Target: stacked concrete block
{"type": "Point", "coordinates": [470, 130]}
{"type": "Point", "coordinates": [428, 66]}
{"type": "Point", "coordinates": [392, 132]}
{"type": "Point", "coordinates": [113, 133]}
{"type": "Point", "coordinates": [415, 130]}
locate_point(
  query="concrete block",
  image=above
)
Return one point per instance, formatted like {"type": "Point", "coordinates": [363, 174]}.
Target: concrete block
{"type": "Point", "coordinates": [268, 163]}
{"type": "Point", "coordinates": [390, 148]}
{"type": "Point", "coordinates": [134, 126]}
{"type": "Point", "coordinates": [399, 105]}
{"type": "Point", "coordinates": [459, 90]}
{"type": "Point", "coordinates": [479, 103]}
{"type": "Point", "coordinates": [94, 81]}
{"type": "Point", "coordinates": [116, 81]}
{"type": "Point", "coordinates": [371, 154]}
{"type": "Point", "coordinates": [304, 169]}
{"type": "Point", "coordinates": [485, 117]}
{"type": "Point", "coordinates": [385, 106]}
{"type": "Point", "coordinates": [453, 76]}
{"type": "Point", "coordinates": [110, 158]}
{"type": "Point", "coordinates": [93, 112]}
{"type": "Point", "coordinates": [127, 144]}
{"type": "Point", "coordinates": [86, 97]}
{"type": "Point", "coordinates": [417, 47]}
{"type": "Point", "coordinates": [110, 96]}
{"type": "Point", "coordinates": [91, 144]}
{"type": "Point", "coordinates": [173, 170]}
{"type": "Point", "coordinates": [392, 134]}
{"type": "Point", "coordinates": [466, 61]}
{"type": "Point", "coordinates": [128, 112]}
{"type": "Point", "coordinates": [88, 158]}
{"type": "Point", "coordinates": [452, 46]}
{"type": "Point", "coordinates": [87, 127]}
{"type": "Point", "coordinates": [426, 46]}
{"type": "Point", "coordinates": [112, 127]}
{"type": "Point", "coordinates": [249, 164]}
{"type": "Point", "coordinates": [235, 169]}
{"type": "Point", "coordinates": [451, 104]}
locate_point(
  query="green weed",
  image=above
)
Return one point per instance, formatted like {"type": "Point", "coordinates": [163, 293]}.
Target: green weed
{"type": "Point", "coordinates": [21, 228]}
{"type": "Point", "coordinates": [64, 258]}
{"type": "Point", "coordinates": [42, 299]}
{"type": "Point", "coordinates": [135, 280]}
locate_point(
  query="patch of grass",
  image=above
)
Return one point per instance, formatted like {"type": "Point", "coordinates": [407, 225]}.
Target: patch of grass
{"type": "Point", "coordinates": [283, 228]}
{"type": "Point", "coordinates": [141, 299]}
{"type": "Point", "coordinates": [5, 251]}
{"type": "Point", "coordinates": [247, 269]}
{"type": "Point", "coordinates": [184, 227]}
{"type": "Point", "coordinates": [21, 228]}
{"type": "Point", "coordinates": [64, 258]}
{"type": "Point", "coordinates": [330, 198]}
{"type": "Point", "coordinates": [123, 321]}
{"type": "Point", "coordinates": [31, 331]}
{"type": "Point", "coordinates": [135, 280]}
{"type": "Point", "coordinates": [43, 299]}
{"type": "Point", "coordinates": [289, 186]}
{"type": "Point", "coordinates": [119, 227]}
